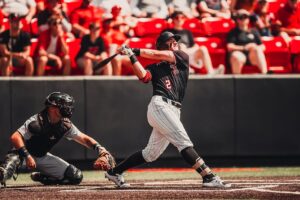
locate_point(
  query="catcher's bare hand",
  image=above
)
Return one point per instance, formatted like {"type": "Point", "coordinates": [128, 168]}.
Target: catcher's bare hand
{"type": "Point", "coordinates": [30, 163]}
{"type": "Point", "coordinates": [105, 161]}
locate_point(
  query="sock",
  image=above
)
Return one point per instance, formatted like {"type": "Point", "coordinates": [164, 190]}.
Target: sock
{"type": "Point", "coordinates": [191, 156]}
{"type": "Point", "coordinates": [132, 161]}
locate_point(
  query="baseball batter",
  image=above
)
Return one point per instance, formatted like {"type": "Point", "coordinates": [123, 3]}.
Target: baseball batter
{"type": "Point", "coordinates": [33, 141]}
{"type": "Point", "coordinates": [169, 79]}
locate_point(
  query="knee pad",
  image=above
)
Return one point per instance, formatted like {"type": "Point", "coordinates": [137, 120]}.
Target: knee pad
{"type": "Point", "coordinates": [73, 175]}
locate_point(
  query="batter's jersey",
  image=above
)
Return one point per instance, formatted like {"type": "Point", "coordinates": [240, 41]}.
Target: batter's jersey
{"type": "Point", "coordinates": [170, 80]}
{"type": "Point", "coordinates": [39, 145]}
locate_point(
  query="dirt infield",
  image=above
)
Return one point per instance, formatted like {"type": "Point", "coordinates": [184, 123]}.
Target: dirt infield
{"type": "Point", "coordinates": [243, 188]}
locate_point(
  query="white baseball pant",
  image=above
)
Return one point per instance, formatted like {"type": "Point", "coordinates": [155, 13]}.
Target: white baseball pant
{"type": "Point", "coordinates": [167, 128]}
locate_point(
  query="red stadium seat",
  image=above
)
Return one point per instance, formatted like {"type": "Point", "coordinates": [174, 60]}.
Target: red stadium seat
{"type": "Point", "coordinates": [295, 45]}
{"type": "Point", "coordinates": [217, 27]}
{"type": "Point", "coordinates": [150, 27]}
{"type": "Point", "coordinates": [74, 47]}
{"type": "Point", "coordinates": [295, 53]}
{"type": "Point", "coordinates": [136, 42]}
{"type": "Point", "coordinates": [296, 63]}
{"type": "Point", "coordinates": [216, 50]}
{"type": "Point", "coordinates": [195, 26]}
{"type": "Point", "coordinates": [5, 23]}
{"type": "Point", "coordinates": [277, 55]}
{"type": "Point", "coordinates": [275, 5]}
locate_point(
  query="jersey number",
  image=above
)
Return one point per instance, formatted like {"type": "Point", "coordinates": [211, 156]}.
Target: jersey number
{"type": "Point", "coordinates": [168, 84]}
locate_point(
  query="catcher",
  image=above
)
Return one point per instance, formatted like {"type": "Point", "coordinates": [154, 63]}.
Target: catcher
{"type": "Point", "coordinates": [33, 141]}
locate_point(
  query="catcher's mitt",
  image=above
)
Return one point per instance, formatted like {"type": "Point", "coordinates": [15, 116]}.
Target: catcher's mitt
{"type": "Point", "coordinates": [105, 161]}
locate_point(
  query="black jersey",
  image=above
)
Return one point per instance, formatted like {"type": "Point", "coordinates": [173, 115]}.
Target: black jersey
{"type": "Point", "coordinates": [170, 80]}
{"type": "Point", "coordinates": [18, 43]}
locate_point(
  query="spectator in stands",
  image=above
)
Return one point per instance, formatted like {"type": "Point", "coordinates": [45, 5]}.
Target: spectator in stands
{"type": "Point", "coordinates": [289, 17]}
{"type": "Point", "coordinates": [245, 46]}
{"type": "Point", "coordinates": [24, 8]}
{"type": "Point", "coordinates": [107, 5]}
{"type": "Point", "coordinates": [15, 48]}
{"type": "Point", "coordinates": [199, 55]}
{"type": "Point", "coordinates": [242, 4]}
{"type": "Point", "coordinates": [150, 9]}
{"type": "Point", "coordinates": [53, 7]}
{"type": "Point", "coordinates": [263, 20]}
{"type": "Point", "coordinates": [114, 38]}
{"type": "Point", "coordinates": [213, 8]}
{"type": "Point", "coordinates": [121, 23]}
{"type": "Point", "coordinates": [52, 49]}
{"type": "Point", "coordinates": [40, 5]}
{"type": "Point", "coordinates": [82, 17]}
{"type": "Point", "coordinates": [92, 51]}
{"type": "Point", "coordinates": [187, 7]}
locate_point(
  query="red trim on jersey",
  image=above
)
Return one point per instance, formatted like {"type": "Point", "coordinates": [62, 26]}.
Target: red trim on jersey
{"type": "Point", "coordinates": [147, 77]}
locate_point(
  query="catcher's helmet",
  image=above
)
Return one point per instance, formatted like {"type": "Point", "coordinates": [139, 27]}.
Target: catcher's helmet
{"type": "Point", "coordinates": [163, 38]}
{"type": "Point", "coordinates": [63, 101]}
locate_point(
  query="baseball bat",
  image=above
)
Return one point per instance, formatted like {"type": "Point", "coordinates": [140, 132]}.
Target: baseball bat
{"type": "Point", "coordinates": [104, 62]}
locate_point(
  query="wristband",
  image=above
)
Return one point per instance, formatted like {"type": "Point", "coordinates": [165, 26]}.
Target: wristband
{"type": "Point", "coordinates": [97, 147]}
{"type": "Point", "coordinates": [23, 152]}
{"type": "Point", "coordinates": [133, 59]}
{"type": "Point", "coordinates": [136, 51]}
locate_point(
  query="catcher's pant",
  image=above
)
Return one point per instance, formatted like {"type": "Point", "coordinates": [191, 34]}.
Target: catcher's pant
{"type": "Point", "coordinates": [51, 166]}
{"type": "Point", "coordinates": [167, 128]}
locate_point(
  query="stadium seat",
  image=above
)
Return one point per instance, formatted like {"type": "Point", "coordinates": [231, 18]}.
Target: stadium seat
{"type": "Point", "coordinates": [277, 55]}
{"type": "Point", "coordinates": [218, 27]}
{"type": "Point", "coordinates": [216, 50]}
{"type": "Point", "coordinates": [275, 5]}
{"type": "Point", "coordinates": [295, 53]}
{"type": "Point", "coordinates": [5, 23]}
{"type": "Point", "coordinates": [150, 27]}
{"type": "Point", "coordinates": [74, 47]}
{"type": "Point", "coordinates": [195, 26]}
{"type": "Point", "coordinates": [296, 63]}
{"type": "Point", "coordinates": [295, 45]}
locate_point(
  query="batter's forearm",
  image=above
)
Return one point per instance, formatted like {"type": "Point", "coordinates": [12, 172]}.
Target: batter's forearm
{"type": "Point", "coordinates": [139, 70]}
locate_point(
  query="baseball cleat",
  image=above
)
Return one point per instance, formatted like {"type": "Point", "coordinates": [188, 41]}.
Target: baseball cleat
{"type": "Point", "coordinates": [215, 182]}
{"type": "Point", "coordinates": [118, 179]}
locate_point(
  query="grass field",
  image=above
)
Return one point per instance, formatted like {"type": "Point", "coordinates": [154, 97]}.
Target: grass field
{"type": "Point", "coordinates": [169, 174]}
{"type": "Point", "coordinates": [176, 183]}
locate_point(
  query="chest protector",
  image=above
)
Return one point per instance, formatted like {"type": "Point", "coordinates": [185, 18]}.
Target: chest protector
{"type": "Point", "coordinates": [45, 135]}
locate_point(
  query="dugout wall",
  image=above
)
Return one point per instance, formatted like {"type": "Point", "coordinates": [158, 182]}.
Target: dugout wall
{"type": "Point", "coordinates": [227, 116]}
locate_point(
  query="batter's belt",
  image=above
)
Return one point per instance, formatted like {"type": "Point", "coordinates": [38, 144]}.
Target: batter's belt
{"type": "Point", "coordinates": [169, 101]}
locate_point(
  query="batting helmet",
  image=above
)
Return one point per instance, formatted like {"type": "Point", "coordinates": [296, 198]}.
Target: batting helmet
{"type": "Point", "coordinates": [163, 38]}
{"type": "Point", "coordinates": [63, 101]}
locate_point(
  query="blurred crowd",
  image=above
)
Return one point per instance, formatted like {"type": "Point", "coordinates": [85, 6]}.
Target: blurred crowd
{"type": "Point", "coordinates": [67, 37]}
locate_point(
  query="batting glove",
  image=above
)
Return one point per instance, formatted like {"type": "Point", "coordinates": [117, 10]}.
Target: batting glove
{"type": "Point", "coordinates": [125, 50]}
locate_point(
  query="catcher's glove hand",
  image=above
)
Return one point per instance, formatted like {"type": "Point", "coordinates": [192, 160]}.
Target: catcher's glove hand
{"type": "Point", "coordinates": [105, 161]}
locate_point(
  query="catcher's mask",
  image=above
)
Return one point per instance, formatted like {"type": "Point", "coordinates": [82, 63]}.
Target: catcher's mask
{"type": "Point", "coordinates": [163, 38]}
{"type": "Point", "coordinates": [63, 101]}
